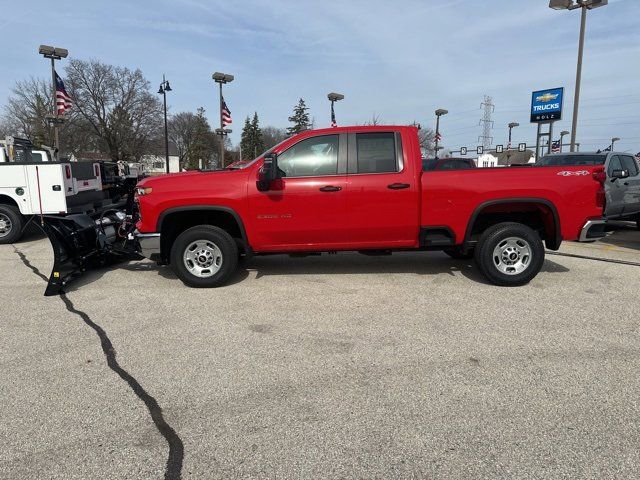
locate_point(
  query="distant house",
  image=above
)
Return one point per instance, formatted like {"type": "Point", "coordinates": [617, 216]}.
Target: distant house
{"type": "Point", "coordinates": [486, 160]}
{"type": "Point", "coordinates": [154, 163]}
{"type": "Point", "coordinates": [504, 159]}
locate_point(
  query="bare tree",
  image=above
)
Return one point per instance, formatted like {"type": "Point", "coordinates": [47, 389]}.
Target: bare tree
{"type": "Point", "coordinates": [115, 107]}
{"type": "Point", "coordinates": [193, 138]}
{"type": "Point", "coordinates": [272, 136]}
{"type": "Point", "coordinates": [375, 120]}
{"type": "Point", "coordinates": [427, 138]}
{"type": "Point", "coordinates": [25, 115]}
{"type": "Point", "coordinates": [26, 109]}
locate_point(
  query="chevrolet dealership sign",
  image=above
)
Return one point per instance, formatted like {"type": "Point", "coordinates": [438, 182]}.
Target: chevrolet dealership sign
{"type": "Point", "coordinates": [546, 105]}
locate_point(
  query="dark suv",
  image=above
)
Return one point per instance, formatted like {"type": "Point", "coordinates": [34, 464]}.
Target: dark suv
{"type": "Point", "coordinates": [448, 163]}
{"type": "Point", "coordinates": [622, 187]}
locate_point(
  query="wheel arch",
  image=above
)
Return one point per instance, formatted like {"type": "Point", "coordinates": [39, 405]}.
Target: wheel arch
{"type": "Point", "coordinates": [527, 210]}
{"type": "Point", "coordinates": [174, 221]}
{"type": "Point", "coordinates": [8, 200]}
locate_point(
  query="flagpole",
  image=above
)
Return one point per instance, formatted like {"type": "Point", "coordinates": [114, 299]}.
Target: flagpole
{"type": "Point", "coordinates": [56, 140]}
{"type": "Point", "coordinates": [221, 130]}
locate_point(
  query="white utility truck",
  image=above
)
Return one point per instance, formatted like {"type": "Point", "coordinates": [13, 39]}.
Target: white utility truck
{"type": "Point", "coordinates": [33, 183]}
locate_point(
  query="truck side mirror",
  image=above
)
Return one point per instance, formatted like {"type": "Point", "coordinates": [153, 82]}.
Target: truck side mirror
{"type": "Point", "coordinates": [268, 172]}
{"type": "Point", "coordinates": [615, 174]}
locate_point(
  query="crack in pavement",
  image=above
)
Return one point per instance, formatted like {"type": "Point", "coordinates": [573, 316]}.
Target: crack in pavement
{"type": "Point", "coordinates": [173, 469]}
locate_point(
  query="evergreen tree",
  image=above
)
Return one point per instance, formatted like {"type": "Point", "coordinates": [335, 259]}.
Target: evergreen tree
{"type": "Point", "coordinates": [300, 118]}
{"type": "Point", "coordinates": [245, 139]}
{"type": "Point", "coordinates": [258, 142]}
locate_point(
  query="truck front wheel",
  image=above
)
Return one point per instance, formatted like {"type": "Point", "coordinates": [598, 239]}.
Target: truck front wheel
{"type": "Point", "coordinates": [204, 256]}
{"type": "Point", "coordinates": [11, 223]}
{"type": "Point", "coordinates": [509, 254]}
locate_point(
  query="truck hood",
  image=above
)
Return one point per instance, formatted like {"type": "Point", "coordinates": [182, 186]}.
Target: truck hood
{"type": "Point", "coordinates": [173, 180]}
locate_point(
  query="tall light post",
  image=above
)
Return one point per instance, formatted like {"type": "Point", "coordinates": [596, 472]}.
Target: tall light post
{"type": "Point", "coordinates": [164, 88]}
{"type": "Point", "coordinates": [562, 134]}
{"type": "Point", "coordinates": [584, 5]}
{"type": "Point", "coordinates": [334, 97]}
{"type": "Point", "coordinates": [221, 78]}
{"type": "Point", "coordinates": [54, 53]}
{"type": "Point", "coordinates": [511, 126]}
{"type": "Point", "coordinates": [439, 112]}
{"type": "Point", "coordinates": [613, 141]}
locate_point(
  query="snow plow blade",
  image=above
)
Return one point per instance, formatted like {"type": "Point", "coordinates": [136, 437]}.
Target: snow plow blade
{"type": "Point", "coordinates": [80, 243]}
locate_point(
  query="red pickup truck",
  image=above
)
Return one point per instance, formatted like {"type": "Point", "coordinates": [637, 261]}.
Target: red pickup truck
{"type": "Point", "coordinates": [364, 189]}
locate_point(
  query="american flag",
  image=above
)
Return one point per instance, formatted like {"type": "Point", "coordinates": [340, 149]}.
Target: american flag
{"type": "Point", "coordinates": [438, 137]}
{"type": "Point", "coordinates": [226, 114]}
{"type": "Point", "coordinates": [333, 117]}
{"type": "Point", "coordinates": [63, 100]}
{"type": "Point", "coordinates": [555, 147]}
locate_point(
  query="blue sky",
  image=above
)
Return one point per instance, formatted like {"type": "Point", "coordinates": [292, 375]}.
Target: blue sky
{"type": "Point", "coordinates": [397, 60]}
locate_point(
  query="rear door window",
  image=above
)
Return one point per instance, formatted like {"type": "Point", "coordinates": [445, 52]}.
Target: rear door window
{"type": "Point", "coordinates": [376, 152]}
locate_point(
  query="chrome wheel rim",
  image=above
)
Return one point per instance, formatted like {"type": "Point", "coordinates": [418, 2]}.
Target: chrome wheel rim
{"type": "Point", "coordinates": [5, 225]}
{"type": "Point", "coordinates": [202, 258]}
{"type": "Point", "coordinates": [512, 255]}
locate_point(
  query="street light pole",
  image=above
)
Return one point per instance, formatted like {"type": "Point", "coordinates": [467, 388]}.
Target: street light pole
{"type": "Point", "coordinates": [164, 88]}
{"type": "Point", "coordinates": [439, 112]}
{"type": "Point", "coordinates": [221, 78]}
{"type": "Point", "coordinates": [54, 53]}
{"type": "Point", "coordinates": [511, 126]}
{"type": "Point", "coordinates": [583, 5]}
{"type": "Point", "coordinates": [562, 134]}
{"type": "Point", "coordinates": [576, 98]}
{"type": "Point", "coordinates": [334, 97]}
{"type": "Point", "coordinates": [613, 141]}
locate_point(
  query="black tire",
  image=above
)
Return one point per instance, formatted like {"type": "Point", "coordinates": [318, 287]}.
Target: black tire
{"type": "Point", "coordinates": [497, 235]}
{"type": "Point", "coordinates": [212, 236]}
{"type": "Point", "coordinates": [13, 221]}
{"type": "Point", "coordinates": [457, 254]}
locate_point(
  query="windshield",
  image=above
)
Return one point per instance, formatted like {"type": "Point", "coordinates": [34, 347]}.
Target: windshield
{"type": "Point", "coordinates": [566, 160]}
{"type": "Point", "coordinates": [246, 163]}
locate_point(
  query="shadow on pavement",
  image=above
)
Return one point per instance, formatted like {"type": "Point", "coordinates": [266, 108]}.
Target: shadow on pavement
{"type": "Point", "coordinates": [346, 263]}
{"type": "Point", "coordinates": [624, 234]}
{"type": "Point", "coordinates": [415, 263]}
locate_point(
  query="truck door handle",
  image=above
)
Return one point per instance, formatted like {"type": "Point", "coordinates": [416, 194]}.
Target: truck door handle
{"type": "Point", "coordinates": [398, 186]}
{"type": "Point", "coordinates": [330, 188]}
{"type": "Point", "coordinates": [56, 188]}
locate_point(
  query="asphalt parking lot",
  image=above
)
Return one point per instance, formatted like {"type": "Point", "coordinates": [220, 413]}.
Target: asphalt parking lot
{"type": "Point", "coordinates": [340, 366]}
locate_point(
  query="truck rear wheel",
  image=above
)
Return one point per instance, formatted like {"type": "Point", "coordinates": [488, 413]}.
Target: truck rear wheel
{"type": "Point", "coordinates": [509, 254]}
{"type": "Point", "coordinates": [204, 256]}
{"type": "Point", "coordinates": [11, 223]}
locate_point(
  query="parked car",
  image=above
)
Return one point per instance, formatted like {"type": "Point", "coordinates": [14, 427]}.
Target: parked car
{"type": "Point", "coordinates": [622, 188]}
{"type": "Point", "coordinates": [347, 188]}
{"type": "Point", "coordinates": [448, 163]}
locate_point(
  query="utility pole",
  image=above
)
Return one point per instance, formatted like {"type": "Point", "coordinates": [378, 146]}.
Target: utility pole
{"type": "Point", "coordinates": [486, 122]}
